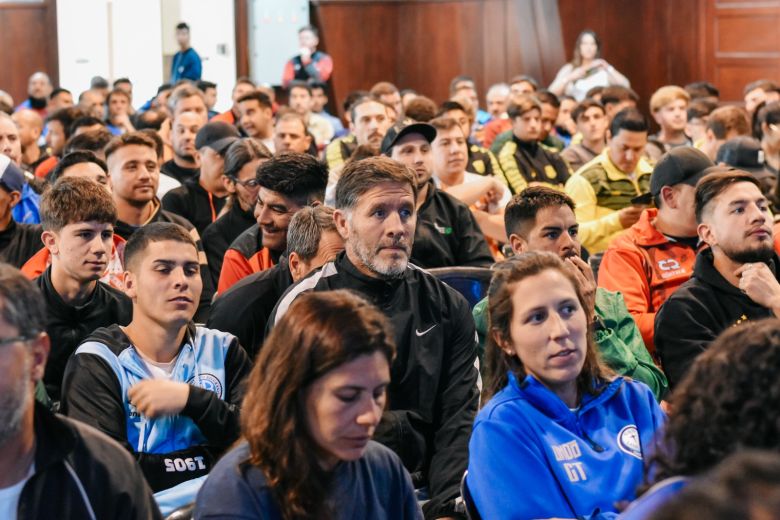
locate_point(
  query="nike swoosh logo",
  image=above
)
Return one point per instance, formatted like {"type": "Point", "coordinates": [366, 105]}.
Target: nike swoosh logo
{"type": "Point", "coordinates": [423, 333]}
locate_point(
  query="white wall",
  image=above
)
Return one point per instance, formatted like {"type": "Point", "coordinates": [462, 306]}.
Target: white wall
{"type": "Point", "coordinates": [273, 36]}
{"type": "Point", "coordinates": [212, 35]}
{"type": "Point", "coordinates": [131, 38]}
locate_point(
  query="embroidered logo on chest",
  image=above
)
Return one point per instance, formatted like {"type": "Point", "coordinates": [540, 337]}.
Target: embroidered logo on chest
{"type": "Point", "coordinates": [207, 382]}
{"type": "Point", "coordinates": [628, 441]}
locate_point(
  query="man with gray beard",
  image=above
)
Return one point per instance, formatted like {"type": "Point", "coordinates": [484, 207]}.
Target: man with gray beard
{"type": "Point", "coordinates": [50, 466]}
{"type": "Point", "coordinates": [433, 394]}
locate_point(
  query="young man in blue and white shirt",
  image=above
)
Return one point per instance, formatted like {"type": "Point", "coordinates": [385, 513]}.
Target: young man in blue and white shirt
{"type": "Point", "coordinates": [167, 390]}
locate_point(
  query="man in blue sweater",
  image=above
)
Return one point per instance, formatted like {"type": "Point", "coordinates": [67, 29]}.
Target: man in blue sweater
{"type": "Point", "coordinates": [186, 63]}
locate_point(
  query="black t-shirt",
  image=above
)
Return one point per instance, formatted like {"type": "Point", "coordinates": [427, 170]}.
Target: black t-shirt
{"type": "Point", "coordinates": [193, 202]}
{"type": "Point", "coordinates": [182, 175]}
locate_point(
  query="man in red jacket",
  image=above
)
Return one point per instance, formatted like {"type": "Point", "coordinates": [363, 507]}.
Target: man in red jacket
{"type": "Point", "coordinates": [655, 256]}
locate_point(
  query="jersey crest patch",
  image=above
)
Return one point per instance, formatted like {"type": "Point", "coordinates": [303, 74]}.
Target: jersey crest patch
{"type": "Point", "coordinates": [207, 382]}
{"type": "Point", "coordinates": [628, 441]}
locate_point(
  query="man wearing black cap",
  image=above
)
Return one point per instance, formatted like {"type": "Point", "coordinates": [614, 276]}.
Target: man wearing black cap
{"type": "Point", "coordinates": [201, 199]}
{"type": "Point", "coordinates": [655, 256]}
{"type": "Point", "coordinates": [734, 281]}
{"type": "Point", "coordinates": [745, 153]}
{"type": "Point", "coordinates": [447, 233]}
{"type": "Point", "coordinates": [18, 242]}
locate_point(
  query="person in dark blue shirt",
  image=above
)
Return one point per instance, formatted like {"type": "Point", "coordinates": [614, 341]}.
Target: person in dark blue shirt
{"type": "Point", "coordinates": [186, 63]}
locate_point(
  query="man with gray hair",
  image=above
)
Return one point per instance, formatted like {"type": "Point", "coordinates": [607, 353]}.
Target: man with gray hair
{"type": "Point", "coordinates": [497, 98]}
{"type": "Point", "coordinates": [187, 98]}
{"type": "Point", "coordinates": [243, 310]}
{"type": "Point", "coordinates": [51, 466]}
{"type": "Point", "coordinates": [433, 395]}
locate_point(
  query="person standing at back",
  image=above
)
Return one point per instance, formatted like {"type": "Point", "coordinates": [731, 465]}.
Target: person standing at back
{"type": "Point", "coordinates": [186, 63]}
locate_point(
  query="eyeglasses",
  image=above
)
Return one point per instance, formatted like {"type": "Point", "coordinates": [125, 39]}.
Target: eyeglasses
{"type": "Point", "coordinates": [8, 341]}
{"type": "Point", "coordinates": [251, 183]}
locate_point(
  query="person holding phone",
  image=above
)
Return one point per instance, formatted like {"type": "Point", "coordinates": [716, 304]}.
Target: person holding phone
{"type": "Point", "coordinates": [586, 70]}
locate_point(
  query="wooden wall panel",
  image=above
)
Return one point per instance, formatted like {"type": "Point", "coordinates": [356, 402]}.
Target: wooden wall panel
{"type": "Point", "coordinates": [28, 43]}
{"type": "Point", "coordinates": [652, 42]}
{"type": "Point", "coordinates": [423, 44]}
{"type": "Point", "coordinates": [742, 44]}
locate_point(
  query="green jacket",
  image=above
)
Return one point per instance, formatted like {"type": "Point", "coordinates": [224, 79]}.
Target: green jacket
{"type": "Point", "coordinates": [619, 342]}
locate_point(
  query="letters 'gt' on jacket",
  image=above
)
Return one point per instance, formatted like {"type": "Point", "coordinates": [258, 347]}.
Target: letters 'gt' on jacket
{"type": "Point", "coordinates": [530, 456]}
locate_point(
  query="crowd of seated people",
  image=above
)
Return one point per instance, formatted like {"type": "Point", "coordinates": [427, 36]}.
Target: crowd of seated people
{"type": "Point", "coordinates": [240, 314]}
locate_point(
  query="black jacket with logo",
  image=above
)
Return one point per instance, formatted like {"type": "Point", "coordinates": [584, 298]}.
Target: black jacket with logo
{"type": "Point", "coordinates": [80, 473]}
{"type": "Point", "coordinates": [244, 309]}
{"type": "Point", "coordinates": [433, 395]}
{"type": "Point", "coordinates": [67, 325]}
{"type": "Point", "coordinates": [447, 234]}
{"type": "Point", "coordinates": [697, 312]}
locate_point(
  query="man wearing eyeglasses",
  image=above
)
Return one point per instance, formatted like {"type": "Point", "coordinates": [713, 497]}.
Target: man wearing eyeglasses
{"type": "Point", "coordinates": [51, 466]}
{"type": "Point", "coordinates": [288, 182]}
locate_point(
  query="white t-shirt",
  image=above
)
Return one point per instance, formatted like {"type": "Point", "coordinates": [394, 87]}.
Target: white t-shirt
{"type": "Point", "coordinates": [9, 497]}
{"type": "Point", "coordinates": [160, 370]}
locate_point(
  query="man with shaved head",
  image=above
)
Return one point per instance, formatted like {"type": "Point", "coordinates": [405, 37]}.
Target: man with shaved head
{"type": "Point", "coordinates": [38, 90]}
{"type": "Point", "coordinates": [30, 126]}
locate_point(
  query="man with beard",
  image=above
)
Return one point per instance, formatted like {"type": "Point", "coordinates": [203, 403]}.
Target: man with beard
{"type": "Point", "coordinates": [135, 176]}
{"type": "Point", "coordinates": [434, 394]}
{"type": "Point", "coordinates": [38, 89]}
{"type": "Point", "coordinates": [184, 165]}
{"type": "Point", "coordinates": [735, 281]}
{"type": "Point", "coordinates": [540, 218]}
{"type": "Point", "coordinates": [447, 233]}
{"type": "Point", "coordinates": [50, 466]}
{"type": "Point", "coordinates": [368, 124]}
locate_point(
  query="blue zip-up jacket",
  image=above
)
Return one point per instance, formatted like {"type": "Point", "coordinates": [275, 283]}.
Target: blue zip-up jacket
{"type": "Point", "coordinates": [532, 457]}
{"type": "Point", "coordinates": [171, 449]}
{"type": "Point", "coordinates": [186, 65]}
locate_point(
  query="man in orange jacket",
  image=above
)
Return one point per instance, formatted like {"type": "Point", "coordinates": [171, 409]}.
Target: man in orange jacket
{"type": "Point", "coordinates": [656, 255]}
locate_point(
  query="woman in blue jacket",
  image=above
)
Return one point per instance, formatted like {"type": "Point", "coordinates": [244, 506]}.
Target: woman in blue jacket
{"type": "Point", "coordinates": [561, 436]}
{"type": "Point", "coordinates": [314, 399]}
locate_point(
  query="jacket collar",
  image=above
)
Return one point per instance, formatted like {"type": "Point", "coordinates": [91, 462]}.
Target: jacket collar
{"type": "Point", "coordinates": [531, 146]}
{"type": "Point", "coordinates": [54, 438]}
{"type": "Point", "coordinates": [544, 400]}
{"type": "Point", "coordinates": [343, 264]}
{"type": "Point", "coordinates": [615, 174]}
{"type": "Point", "coordinates": [54, 299]}
{"type": "Point", "coordinates": [705, 271]}
{"type": "Point", "coordinates": [132, 360]}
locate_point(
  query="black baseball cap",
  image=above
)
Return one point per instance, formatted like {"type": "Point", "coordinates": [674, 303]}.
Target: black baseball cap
{"type": "Point", "coordinates": [216, 135]}
{"type": "Point", "coordinates": [742, 152]}
{"type": "Point", "coordinates": [11, 176]}
{"type": "Point", "coordinates": [395, 133]}
{"type": "Point", "coordinates": [681, 165]}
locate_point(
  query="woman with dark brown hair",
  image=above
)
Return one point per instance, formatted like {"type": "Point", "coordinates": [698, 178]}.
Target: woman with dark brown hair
{"type": "Point", "coordinates": [314, 399]}
{"type": "Point", "coordinates": [559, 430]}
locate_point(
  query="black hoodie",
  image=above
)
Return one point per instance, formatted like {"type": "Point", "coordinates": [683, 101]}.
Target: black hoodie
{"type": "Point", "coordinates": [698, 312]}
